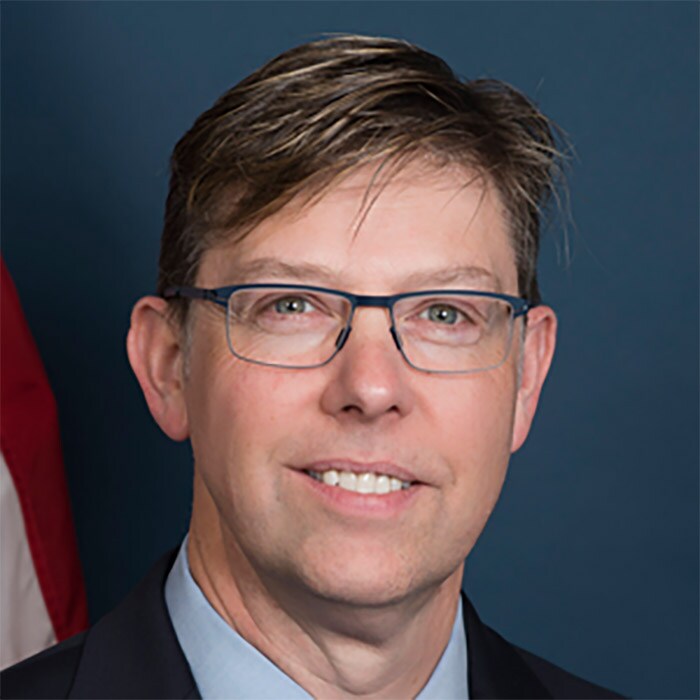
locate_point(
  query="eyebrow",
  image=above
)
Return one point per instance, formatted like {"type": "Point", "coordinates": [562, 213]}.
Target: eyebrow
{"type": "Point", "coordinates": [462, 274]}
{"type": "Point", "coordinates": [473, 276]}
{"type": "Point", "coordinates": [259, 268]}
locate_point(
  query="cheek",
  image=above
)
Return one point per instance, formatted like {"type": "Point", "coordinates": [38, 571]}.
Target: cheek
{"type": "Point", "coordinates": [474, 416]}
{"type": "Point", "coordinates": [266, 405]}
{"type": "Point", "coordinates": [246, 416]}
{"type": "Point", "coordinates": [475, 432]}
{"type": "Point", "coordinates": [242, 414]}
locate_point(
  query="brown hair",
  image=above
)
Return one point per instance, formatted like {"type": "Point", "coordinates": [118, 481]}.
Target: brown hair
{"type": "Point", "coordinates": [319, 110]}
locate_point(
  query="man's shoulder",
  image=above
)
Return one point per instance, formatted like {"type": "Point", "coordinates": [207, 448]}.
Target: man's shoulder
{"type": "Point", "coordinates": [48, 674]}
{"type": "Point", "coordinates": [500, 669]}
{"type": "Point", "coordinates": [561, 683]}
{"type": "Point", "coordinates": [132, 652]}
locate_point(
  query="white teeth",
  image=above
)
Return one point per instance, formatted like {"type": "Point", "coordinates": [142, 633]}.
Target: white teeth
{"type": "Point", "coordinates": [348, 480]}
{"type": "Point", "coordinates": [331, 477]}
{"type": "Point", "coordinates": [383, 484]}
{"type": "Point", "coordinates": [367, 482]}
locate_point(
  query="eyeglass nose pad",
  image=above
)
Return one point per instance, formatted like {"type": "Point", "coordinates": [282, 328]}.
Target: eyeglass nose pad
{"type": "Point", "coordinates": [395, 336]}
{"type": "Point", "coordinates": [342, 337]}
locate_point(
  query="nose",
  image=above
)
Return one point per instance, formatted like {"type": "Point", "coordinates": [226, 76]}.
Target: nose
{"type": "Point", "coordinates": [368, 378]}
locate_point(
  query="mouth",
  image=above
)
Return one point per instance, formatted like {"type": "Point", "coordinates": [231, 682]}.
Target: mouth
{"type": "Point", "coordinates": [364, 482]}
{"type": "Point", "coordinates": [374, 479]}
{"type": "Point", "coordinates": [371, 491]}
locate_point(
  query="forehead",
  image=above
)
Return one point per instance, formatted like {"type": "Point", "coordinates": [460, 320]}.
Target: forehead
{"type": "Point", "coordinates": [420, 227]}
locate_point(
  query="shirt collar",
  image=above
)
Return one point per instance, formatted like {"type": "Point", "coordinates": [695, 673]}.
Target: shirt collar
{"type": "Point", "coordinates": [225, 665]}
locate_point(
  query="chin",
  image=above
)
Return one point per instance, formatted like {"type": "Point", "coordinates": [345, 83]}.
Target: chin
{"type": "Point", "coordinates": [363, 576]}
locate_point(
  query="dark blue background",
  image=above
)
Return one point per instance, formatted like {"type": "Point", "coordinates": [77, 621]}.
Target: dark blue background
{"type": "Point", "coordinates": [591, 558]}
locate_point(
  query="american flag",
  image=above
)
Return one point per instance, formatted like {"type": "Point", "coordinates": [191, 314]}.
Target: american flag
{"type": "Point", "coordinates": [42, 596]}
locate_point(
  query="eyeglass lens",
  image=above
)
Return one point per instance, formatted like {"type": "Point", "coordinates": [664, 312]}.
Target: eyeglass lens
{"type": "Point", "coordinates": [300, 328]}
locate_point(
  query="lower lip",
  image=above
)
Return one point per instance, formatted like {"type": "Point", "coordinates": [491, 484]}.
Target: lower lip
{"type": "Point", "coordinates": [362, 504]}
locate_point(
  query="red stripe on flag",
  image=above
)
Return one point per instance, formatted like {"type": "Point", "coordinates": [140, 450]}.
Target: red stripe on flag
{"type": "Point", "coordinates": [30, 443]}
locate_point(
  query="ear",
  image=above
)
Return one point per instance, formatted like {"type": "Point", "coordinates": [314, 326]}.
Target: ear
{"type": "Point", "coordinates": [155, 353]}
{"type": "Point", "coordinates": [540, 339]}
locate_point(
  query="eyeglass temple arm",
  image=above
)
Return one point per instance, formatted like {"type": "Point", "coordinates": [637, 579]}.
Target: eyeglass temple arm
{"type": "Point", "coordinates": [194, 293]}
{"type": "Point", "coordinates": [523, 310]}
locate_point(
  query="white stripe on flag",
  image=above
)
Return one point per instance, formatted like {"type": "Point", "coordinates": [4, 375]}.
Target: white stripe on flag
{"type": "Point", "coordinates": [25, 626]}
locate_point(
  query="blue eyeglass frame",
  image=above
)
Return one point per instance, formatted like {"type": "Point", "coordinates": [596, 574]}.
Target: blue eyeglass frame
{"type": "Point", "coordinates": [220, 296]}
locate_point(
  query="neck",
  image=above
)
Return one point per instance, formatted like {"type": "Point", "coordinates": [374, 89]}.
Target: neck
{"type": "Point", "coordinates": [332, 649]}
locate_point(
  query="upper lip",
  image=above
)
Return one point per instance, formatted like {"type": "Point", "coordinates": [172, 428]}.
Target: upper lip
{"type": "Point", "coordinates": [349, 465]}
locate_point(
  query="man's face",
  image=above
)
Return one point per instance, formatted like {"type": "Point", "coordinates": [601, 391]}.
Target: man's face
{"type": "Point", "coordinates": [256, 430]}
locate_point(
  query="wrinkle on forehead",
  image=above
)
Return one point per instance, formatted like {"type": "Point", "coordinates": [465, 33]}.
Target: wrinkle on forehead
{"type": "Point", "coordinates": [401, 175]}
{"type": "Point", "coordinates": [271, 270]}
{"type": "Point", "coordinates": [370, 180]}
{"type": "Point", "coordinates": [358, 196]}
{"type": "Point", "coordinates": [438, 179]}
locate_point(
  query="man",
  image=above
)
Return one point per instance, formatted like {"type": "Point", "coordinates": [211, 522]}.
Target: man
{"type": "Point", "coordinates": [348, 330]}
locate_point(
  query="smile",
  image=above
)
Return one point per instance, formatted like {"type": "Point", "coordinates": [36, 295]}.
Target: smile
{"type": "Point", "coordinates": [365, 482]}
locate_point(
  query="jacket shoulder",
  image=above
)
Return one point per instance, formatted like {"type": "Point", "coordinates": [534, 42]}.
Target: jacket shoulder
{"type": "Point", "coordinates": [500, 669]}
{"type": "Point", "coordinates": [48, 674]}
{"type": "Point", "coordinates": [561, 683]}
{"type": "Point", "coordinates": [131, 652]}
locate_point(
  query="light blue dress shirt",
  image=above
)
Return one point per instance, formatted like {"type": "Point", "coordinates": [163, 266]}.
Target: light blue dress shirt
{"type": "Point", "coordinates": [224, 665]}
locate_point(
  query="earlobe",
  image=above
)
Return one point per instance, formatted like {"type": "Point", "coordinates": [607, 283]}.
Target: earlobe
{"type": "Point", "coordinates": [155, 353]}
{"type": "Point", "coordinates": [540, 340]}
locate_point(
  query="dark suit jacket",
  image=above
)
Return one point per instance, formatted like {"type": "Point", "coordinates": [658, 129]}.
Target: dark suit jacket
{"type": "Point", "coordinates": [133, 652]}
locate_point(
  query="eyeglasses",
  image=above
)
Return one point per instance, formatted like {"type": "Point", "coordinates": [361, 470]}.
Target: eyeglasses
{"type": "Point", "coordinates": [300, 326]}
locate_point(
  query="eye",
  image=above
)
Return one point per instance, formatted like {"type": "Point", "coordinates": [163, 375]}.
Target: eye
{"type": "Point", "coordinates": [443, 314]}
{"type": "Point", "coordinates": [292, 305]}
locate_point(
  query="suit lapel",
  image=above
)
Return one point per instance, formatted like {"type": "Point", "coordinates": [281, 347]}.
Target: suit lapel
{"type": "Point", "coordinates": [495, 668]}
{"type": "Point", "coordinates": [133, 652]}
